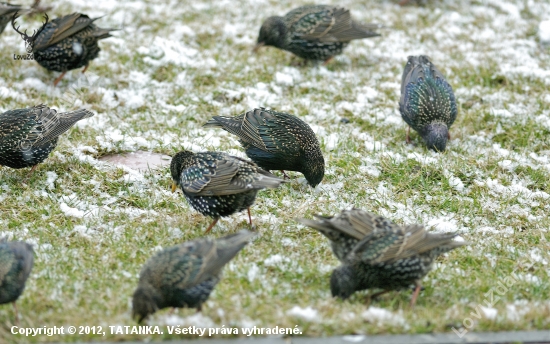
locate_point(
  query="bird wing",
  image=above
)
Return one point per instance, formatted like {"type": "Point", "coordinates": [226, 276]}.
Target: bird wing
{"type": "Point", "coordinates": [8, 8]}
{"type": "Point", "coordinates": [53, 124]}
{"type": "Point", "coordinates": [422, 78]}
{"type": "Point", "coordinates": [195, 261]}
{"type": "Point", "coordinates": [390, 245]}
{"type": "Point", "coordinates": [355, 223]}
{"type": "Point", "coordinates": [17, 125]}
{"type": "Point", "coordinates": [225, 175]}
{"type": "Point", "coordinates": [183, 265]}
{"type": "Point", "coordinates": [23, 254]}
{"type": "Point", "coordinates": [377, 247]}
{"type": "Point", "coordinates": [244, 126]}
{"type": "Point", "coordinates": [336, 25]}
{"type": "Point", "coordinates": [7, 259]}
{"type": "Point", "coordinates": [61, 28]}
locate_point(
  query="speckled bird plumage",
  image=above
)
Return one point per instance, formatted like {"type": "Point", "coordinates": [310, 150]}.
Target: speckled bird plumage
{"type": "Point", "coordinates": [314, 32]}
{"type": "Point", "coordinates": [276, 141]}
{"type": "Point", "coordinates": [376, 253]}
{"type": "Point", "coordinates": [27, 136]}
{"type": "Point", "coordinates": [6, 12]}
{"type": "Point", "coordinates": [16, 262]}
{"type": "Point", "coordinates": [184, 275]}
{"type": "Point", "coordinates": [218, 184]}
{"type": "Point", "coordinates": [427, 102]}
{"type": "Point", "coordinates": [346, 229]}
{"type": "Point", "coordinates": [68, 42]}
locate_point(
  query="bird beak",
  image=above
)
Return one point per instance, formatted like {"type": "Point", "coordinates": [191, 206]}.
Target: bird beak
{"type": "Point", "coordinates": [174, 186]}
{"type": "Point", "coordinates": [258, 46]}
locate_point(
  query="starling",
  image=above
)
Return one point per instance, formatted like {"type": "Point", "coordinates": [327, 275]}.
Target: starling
{"type": "Point", "coordinates": [184, 275]}
{"type": "Point", "coordinates": [6, 11]}
{"type": "Point", "coordinates": [28, 135]}
{"type": "Point", "coordinates": [276, 141]}
{"type": "Point", "coordinates": [314, 32]}
{"type": "Point", "coordinates": [218, 184]}
{"type": "Point", "coordinates": [67, 43]}
{"type": "Point", "coordinates": [345, 230]}
{"type": "Point", "coordinates": [16, 261]}
{"type": "Point", "coordinates": [427, 102]}
{"type": "Point", "coordinates": [376, 253]}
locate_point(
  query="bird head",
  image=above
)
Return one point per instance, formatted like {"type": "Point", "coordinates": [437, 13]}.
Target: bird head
{"type": "Point", "coordinates": [436, 136]}
{"type": "Point", "coordinates": [314, 168]}
{"type": "Point", "coordinates": [145, 301]}
{"type": "Point", "coordinates": [272, 33]}
{"type": "Point", "coordinates": [343, 282]}
{"type": "Point", "coordinates": [180, 161]}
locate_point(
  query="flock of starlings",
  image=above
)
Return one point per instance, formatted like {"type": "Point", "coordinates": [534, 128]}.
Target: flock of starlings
{"type": "Point", "coordinates": [373, 251]}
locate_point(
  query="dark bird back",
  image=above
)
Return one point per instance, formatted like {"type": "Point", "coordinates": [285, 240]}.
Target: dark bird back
{"type": "Point", "coordinates": [314, 32]}
{"type": "Point", "coordinates": [276, 141]}
{"type": "Point", "coordinates": [68, 42]}
{"type": "Point", "coordinates": [27, 136]}
{"type": "Point", "coordinates": [346, 229]}
{"type": "Point", "coordinates": [184, 275]}
{"type": "Point", "coordinates": [377, 253]}
{"type": "Point", "coordinates": [6, 13]}
{"type": "Point", "coordinates": [427, 102]}
{"type": "Point", "coordinates": [218, 184]}
{"type": "Point", "coordinates": [16, 262]}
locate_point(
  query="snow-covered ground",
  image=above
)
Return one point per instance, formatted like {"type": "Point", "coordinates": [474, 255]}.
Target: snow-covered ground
{"type": "Point", "coordinates": [175, 64]}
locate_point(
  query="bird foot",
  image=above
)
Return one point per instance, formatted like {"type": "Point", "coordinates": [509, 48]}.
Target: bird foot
{"type": "Point", "coordinates": [285, 176]}
{"type": "Point", "coordinates": [56, 81]}
{"type": "Point", "coordinates": [211, 225]}
{"type": "Point", "coordinates": [36, 8]}
{"type": "Point", "coordinates": [328, 60]}
{"type": "Point", "coordinates": [415, 295]}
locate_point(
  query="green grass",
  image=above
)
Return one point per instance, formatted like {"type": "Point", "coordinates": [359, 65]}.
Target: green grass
{"type": "Point", "coordinates": [491, 185]}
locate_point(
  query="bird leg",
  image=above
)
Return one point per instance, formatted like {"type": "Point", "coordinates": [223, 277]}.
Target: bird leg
{"type": "Point", "coordinates": [16, 313]}
{"type": "Point", "coordinates": [85, 68]}
{"type": "Point", "coordinates": [284, 174]}
{"type": "Point", "coordinates": [415, 294]}
{"type": "Point", "coordinates": [408, 134]}
{"type": "Point", "coordinates": [32, 169]}
{"type": "Point", "coordinates": [328, 60]}
{"type": "Point", "coordinates": [449, 135]}
{"type": "Point", "coordinates": [36, 8]}
{"type": "Point", "coordinates": [249, 217]}
{"type": "Point", "coordinates": [212, 225]}
{"type": "Point", "coordinates": [375, 295]}
{"type": "Point", "coordinates": [199, 308]}
{"type": "Point", "coordinates": [56, 81]}
{"type": "Point", "coordinates": [403, 2]}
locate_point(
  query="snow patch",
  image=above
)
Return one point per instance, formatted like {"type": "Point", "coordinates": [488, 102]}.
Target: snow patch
{"type": "Point", "coordinates": [307, 313]}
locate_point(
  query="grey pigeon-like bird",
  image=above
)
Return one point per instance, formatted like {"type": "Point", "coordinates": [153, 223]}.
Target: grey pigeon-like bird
{"type": "Point", "coordinates": [184, 275]}
{"type": "Point", "coordinates": [6, 12]}
{"type": "Point", "coordinates": [376, 253]}
{"type": "Point", "coordinates": [314, 32]}
{"type": "Point", "coordinates": [16, 261]}
{"type": "Point", "coordinates": [66, 43]}
{"type": "Point", "coordinates": [27, 136]}
{"type": "Point", "coordinates": [276, 141]}
{"type": "Point", "coordinates": [427, 102]}
{"type": "Point", "coordinates": [218, 184]}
